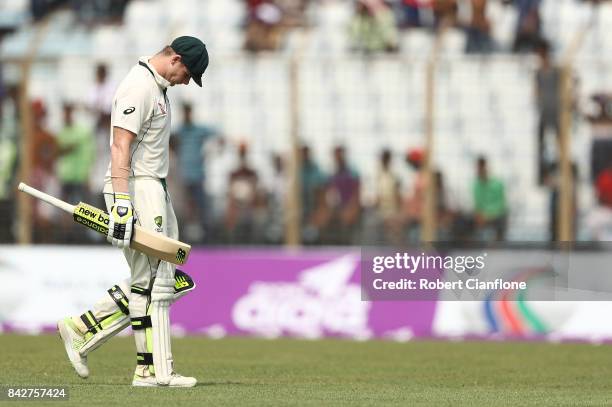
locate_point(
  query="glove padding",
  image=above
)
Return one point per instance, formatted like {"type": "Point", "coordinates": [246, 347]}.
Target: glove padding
{"type": "Point", "coordinates": [121, 221]}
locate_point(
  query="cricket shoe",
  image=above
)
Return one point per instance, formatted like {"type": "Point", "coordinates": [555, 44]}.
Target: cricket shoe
{"type": "Point", "coordinates": [73, 341]}
{"type": "Point", "coordinates": [176, 380]}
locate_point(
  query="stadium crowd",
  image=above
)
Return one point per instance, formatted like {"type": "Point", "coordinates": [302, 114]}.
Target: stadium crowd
{"type": "Point", "coordinates": [334, 212]}
{"type": "Point", "coordinates": [253, 210]}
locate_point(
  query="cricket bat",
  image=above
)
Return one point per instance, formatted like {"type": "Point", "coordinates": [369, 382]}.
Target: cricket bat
{"type": "Point", "coordinates": [145, 241]}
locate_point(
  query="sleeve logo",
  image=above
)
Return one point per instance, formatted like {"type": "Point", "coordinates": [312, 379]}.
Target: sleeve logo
{"type": "Point", "coordinates": [129, 110]}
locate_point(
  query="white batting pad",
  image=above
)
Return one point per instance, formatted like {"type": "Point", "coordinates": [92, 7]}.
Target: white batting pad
{"type": "Point", "coordinates": [161, 297]}
{"type": "Point", "coordinates": [162, 354]}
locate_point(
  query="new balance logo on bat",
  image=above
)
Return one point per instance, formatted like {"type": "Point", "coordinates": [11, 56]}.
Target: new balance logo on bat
{"type": "Point", "coordinates": [91, 217]}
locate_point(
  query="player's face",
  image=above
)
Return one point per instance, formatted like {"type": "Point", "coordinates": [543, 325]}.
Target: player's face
{"type": "Point", "coordinates": [179, 74]}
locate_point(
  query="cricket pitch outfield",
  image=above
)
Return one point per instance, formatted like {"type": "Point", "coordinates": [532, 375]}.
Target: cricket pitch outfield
{"type": "Point", "coordinates": [242, 371]}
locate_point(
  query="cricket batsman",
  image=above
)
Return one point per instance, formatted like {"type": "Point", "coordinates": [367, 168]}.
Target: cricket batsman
{"type": "Point", "coordinates": [135, 191]}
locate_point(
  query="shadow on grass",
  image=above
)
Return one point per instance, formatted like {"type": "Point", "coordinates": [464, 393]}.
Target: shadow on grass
{"type": "Point", "coordinates": [203, 384]}
{"type": "Point", "coordinates": [224, 384]}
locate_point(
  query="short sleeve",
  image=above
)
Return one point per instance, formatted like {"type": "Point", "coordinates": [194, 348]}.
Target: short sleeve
{"type": "Point", "coordinates": [131, 109]}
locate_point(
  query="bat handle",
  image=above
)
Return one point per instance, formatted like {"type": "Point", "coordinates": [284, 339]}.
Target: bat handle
{"type": "Point", "coordinates": [45, 197]}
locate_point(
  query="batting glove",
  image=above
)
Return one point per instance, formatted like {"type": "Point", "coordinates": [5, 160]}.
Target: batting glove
{"type": "Point", "coordinates": [121, 221]}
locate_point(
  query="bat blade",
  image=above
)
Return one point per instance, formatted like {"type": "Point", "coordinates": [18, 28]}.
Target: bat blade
{"type": "Point", "coordinates": [159, 246]}
{"type": "Point", "coordinates": [148, 242]}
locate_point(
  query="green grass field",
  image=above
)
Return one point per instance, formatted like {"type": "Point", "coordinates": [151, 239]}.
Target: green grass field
{"type": "Point", "coordinates": [331, 372]}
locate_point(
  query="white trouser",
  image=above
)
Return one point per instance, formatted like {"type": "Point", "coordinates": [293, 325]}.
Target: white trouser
{"type": "Point", "coordinates": [153, 211]}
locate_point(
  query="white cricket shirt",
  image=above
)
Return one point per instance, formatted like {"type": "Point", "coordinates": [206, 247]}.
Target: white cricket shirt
{"type": "Point", "coordinates": [141, 106]}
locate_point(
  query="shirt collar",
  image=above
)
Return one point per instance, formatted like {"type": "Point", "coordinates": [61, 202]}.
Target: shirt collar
{"type": "Point", "coordinates": [161, 81]}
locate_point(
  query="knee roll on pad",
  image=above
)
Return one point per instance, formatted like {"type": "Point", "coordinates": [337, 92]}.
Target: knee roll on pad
{"type": "Point", "coordinates": [163, 289]}
{"type": "Point", "coordinates": [183, 284]}
{"type": "Point", "coordinates": [163, 285]}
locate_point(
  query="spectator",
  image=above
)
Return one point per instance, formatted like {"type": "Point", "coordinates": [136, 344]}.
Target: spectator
{"type": "Point", "coordinates": [490, 210]}
{"type": "Point", "coordinates": [293, 12]}
{"type": "Point", "coordinates": [548, 95]}
{"type": "Point", "coordinates": [604, 187]}
{"type": "Point", "coordinates": [41, 8]}
{"type": "Point", "coordinates": [414, 200]}
{"type": "Point", "coordinates": [99, 103]}
{"type": "Point", "coordinates": [242, 201]}
{"type": "Point", "coordinates": [44, 146]}
{"type": "Point", "coordinates": [410, 13]}
{"type": "Point", "coordinates": [43, 154]}
{"type": "Point", "coordinates": [264, 26]}
{"type": "Point", "coordinates": [101, 98]}
{"type": "Point", "coordinates": [76, 152]}
{"type": "Point", "coordinates": [342, 201]}
{"type": "Point", "coordinates": [445, 13]}
{"type": "Point", "coordinates": [96, 12]}
{"type": "Point", "coordinates": [479, 39]}
{"type": "Point", "coordinates": [277, 192]}
{"type": "Point", "coordinates": [217, 169]}
{"type": "Point", "coordinates": [387, 201]}
{"type": "Point", "coordinates": [191, 139]}
{"type": "Point", "coordinates": [9, 121]}
{"type": "Point", "coordinates": [599, 220]}
{"type": "Point", "coordinates": [601, 129]}
{"type": "Point", "coordinates": [313, 182]}
{"type": "Point", "coordinates": [528, 27]}
{"type": "Point", "coordinates": [372, 28]}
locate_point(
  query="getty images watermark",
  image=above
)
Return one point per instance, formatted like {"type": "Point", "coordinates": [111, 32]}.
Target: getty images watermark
{"type": "Point", "coordinates": [486, 273]}
{"type": "Point", "coordinates": [412, 264]}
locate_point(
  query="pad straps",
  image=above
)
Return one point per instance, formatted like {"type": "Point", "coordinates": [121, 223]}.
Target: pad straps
{"type": "Point", "coordinates": [90, 322]}
{"type": "Point", "coordinates": [144, 358]}
{"type": "Point", "coordinates": [142, 291]}
{"type": "Point", "coordinates": [139, 323]}
{"type": "Point", "coordinates": [120, 299]}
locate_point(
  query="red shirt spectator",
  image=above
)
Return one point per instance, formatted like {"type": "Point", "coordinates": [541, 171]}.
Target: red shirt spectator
{"type": "Point", "coordinates": [604, 187]}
